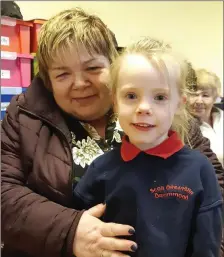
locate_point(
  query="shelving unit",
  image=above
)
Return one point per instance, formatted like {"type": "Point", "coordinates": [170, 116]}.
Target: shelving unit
{"type": "Point", "coordinates": [18, 51]}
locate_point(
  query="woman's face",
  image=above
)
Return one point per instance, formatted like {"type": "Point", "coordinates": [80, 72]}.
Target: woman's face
{"type": "Point", "coordinates": [201, 103]}
{"type": "Point", "coordinates": [79, 83]}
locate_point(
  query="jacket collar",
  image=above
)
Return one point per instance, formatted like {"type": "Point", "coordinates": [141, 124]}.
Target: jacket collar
{"type": "Point", "coordinates": [39, 101]}
{"type": "Point", "coordinates": [166, 149]}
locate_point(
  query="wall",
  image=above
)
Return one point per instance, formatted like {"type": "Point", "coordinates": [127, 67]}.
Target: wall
{"type": "Point", "coordinates": [194, 28]}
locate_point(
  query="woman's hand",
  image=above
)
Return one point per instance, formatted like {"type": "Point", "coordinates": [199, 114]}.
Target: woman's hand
{"type": "Point", "coordinates": [95, 238]}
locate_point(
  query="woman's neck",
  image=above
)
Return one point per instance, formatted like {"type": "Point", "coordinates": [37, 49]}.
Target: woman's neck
{"type": "Point", "coordinates": [208, 119]}
{"type": "Point", "coordinates": [100, 125]}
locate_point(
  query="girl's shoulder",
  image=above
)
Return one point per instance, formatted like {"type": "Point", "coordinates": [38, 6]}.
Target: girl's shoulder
{"type": "Point", "coordinates": [194, 156]}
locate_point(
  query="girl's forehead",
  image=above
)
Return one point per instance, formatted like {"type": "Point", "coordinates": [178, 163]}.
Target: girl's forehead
{"type": "Point", "coordinates": [139, 68]}
{"type": "Point", "coordinates": [135, 65]}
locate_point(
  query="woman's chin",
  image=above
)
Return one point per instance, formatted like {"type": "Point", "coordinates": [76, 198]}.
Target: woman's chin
{"type": "Point", "coordinates": [89, 115]}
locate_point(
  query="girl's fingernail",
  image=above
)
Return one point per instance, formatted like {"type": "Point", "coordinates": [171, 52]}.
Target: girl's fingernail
{"type": "Point", "coordinates": [131, 231]}
{"type": "Point", "coordinates": [134, 248]}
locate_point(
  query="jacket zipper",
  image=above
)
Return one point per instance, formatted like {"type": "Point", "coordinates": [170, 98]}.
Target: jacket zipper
{"type": "Point", "coordinates": [53, 126]}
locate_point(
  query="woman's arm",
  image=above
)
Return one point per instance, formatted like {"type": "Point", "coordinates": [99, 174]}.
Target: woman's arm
{"type": "Point", "coordinates": [33, 224]}
{"type": "Point", "coordinates": [30, 222]}
{"type": "Point", "coordinates": [201, 143]}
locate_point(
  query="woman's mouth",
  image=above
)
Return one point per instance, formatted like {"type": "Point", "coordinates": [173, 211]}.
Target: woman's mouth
{"type": "Point", "coordinates": [85, 100]}
{"type": "Point", "coordinates": [198, 109]}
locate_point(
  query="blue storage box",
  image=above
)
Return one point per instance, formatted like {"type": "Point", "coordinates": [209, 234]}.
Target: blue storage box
{"type": "Point", "coordinates": [6, 95]}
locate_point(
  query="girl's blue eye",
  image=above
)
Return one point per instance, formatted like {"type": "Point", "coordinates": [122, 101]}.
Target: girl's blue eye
{"type": "Point", "coordinates": [131, 96]}
{"type": "Point", "coordinates": [160, 97]}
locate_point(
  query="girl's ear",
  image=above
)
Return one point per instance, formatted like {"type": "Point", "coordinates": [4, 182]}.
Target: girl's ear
{"type": "Point", "coordinates": [184, 99]}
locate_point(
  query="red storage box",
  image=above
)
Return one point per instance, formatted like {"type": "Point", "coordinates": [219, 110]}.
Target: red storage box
{"type": "Point", "coordinates": [15, 35]}
{"type": "Point", "coordinates": [15, 69]}
{"type": "Point", "coordinates": [34, 34]}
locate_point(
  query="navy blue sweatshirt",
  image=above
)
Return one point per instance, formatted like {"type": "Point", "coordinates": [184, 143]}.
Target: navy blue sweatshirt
{"type": "Point", "coordinates": [169, 194]}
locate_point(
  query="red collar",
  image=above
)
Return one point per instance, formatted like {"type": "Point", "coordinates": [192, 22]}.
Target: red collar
{"type": "Point", "coordinates": [167, 148]}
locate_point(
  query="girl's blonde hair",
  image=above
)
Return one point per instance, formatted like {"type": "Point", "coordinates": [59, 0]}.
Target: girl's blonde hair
{"type": "Point", "coordinates": [67, 29]}
{"type": "Point", "coordinates": [169, 64]}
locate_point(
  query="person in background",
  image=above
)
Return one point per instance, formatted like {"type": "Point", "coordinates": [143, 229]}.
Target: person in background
{"type": "Point", "coordinates": [220, 103]}
{"type": "Point", "coordinates": [168, 192]}
{"type": "Point", "coordinates": [11, 9]}
{"type": "Point", "coordinates": [201, 101]}
{"type": "Point", "coordinates": [51, 134]}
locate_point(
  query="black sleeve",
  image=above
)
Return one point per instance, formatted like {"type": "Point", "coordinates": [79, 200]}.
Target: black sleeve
{"type": "Point", "coordinates": [207, 239]}
{"type": "Point", "coordinates": [90, 189]}
{"type": "Point", "coordinates": [208, 230]}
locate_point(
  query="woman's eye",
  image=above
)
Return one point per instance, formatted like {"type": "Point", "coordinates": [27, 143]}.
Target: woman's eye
{"type": "Point", "coordinates": [161, 97]}
{"type": "Point", "coordinates": [131, 96]}
{"type": "Point", "coordinates": [93, 68]}
{"type": "Point", "coordinates": [62, 75]}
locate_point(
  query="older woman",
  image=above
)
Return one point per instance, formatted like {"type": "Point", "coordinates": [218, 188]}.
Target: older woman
{"type": "Point", "coordinates": [51, 134]}
{"type": "Point", "coordinates": [201, 103]}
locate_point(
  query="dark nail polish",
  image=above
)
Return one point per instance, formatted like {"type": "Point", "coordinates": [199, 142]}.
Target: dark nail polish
{"type": "Point", "coordinates": [134, 248]}
{"type": "Point", "coordinates": [131, 231]}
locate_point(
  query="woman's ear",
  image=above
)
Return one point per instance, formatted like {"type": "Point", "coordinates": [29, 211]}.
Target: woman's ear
{"type": "Point", "coordinates": [114, 103]}
{"type": "Point", "coordinates": [182, 104]}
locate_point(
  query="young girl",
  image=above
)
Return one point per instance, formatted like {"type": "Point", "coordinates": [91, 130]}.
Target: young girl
{"type": "Point", "coordinates": [168, 192]}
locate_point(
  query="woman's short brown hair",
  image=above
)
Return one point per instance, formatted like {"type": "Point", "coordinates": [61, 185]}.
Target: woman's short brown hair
{"type": "Point", "coordinates": [67, 29]}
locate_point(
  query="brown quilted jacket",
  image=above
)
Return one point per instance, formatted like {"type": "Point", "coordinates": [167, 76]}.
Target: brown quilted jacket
{"type": "Point", "coordinates": [36, 189]}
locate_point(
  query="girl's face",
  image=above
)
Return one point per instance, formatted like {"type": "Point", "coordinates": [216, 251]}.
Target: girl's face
{"type": "Point", "coordinates": [145, 104]}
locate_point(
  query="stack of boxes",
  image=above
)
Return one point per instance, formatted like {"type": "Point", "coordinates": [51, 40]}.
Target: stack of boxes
{"type": "Point", "coordinates": [18, 48]}
{"type": "Point", "coordinates": [33, 43]}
